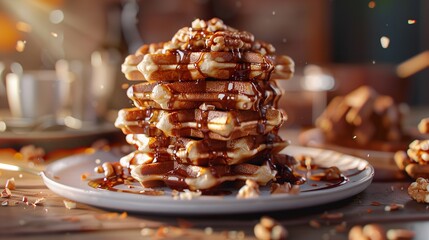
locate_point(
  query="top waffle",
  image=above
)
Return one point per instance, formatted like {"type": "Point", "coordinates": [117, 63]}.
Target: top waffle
{"type": "Point", "coordinates": [207, 50]}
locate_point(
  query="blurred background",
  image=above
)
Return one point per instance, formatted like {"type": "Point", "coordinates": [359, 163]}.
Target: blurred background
{"type": "Point", "coordinates": [344, 44]}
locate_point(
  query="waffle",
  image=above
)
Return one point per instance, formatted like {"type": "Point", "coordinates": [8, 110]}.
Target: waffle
{"type": "Point", "coordinates": [182, 176]}
{"type": "Point", "coordinates": [190, 95]}
{"type": "Point", "coordinates": [190, 66]}
{"type": "Point", "coordinates": [200, 152]}
{"type": "Point", "coordinates": [207, 50]}
{"type": "Point", "coordinates": [206, 112]}
{"type": "Point", "coordinates": [198, 123]}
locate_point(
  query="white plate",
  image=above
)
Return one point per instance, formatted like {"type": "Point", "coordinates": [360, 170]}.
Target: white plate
{"type": "Point", "coordinates": [64, 178]}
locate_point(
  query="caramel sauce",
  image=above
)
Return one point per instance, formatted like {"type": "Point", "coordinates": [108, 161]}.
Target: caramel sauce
{"type": "Point", "coordinates": [330, 184]}
{"type": "Point", "coordinates": [111, 184]}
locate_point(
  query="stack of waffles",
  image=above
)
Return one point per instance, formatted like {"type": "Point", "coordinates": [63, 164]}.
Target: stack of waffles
{"type": "Point", "coordinates": [205, 110]}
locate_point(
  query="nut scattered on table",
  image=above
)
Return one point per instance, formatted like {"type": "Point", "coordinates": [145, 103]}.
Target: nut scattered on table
{"type": "Point", "coordinates": [367, 232]}
{"type": "Point", "coordinates": [6, 193]}
{"type": "Point", "coordinates": [415, 161]}
{"type": "Point", "coordinates": [332, 216]}
{"type": "Point", "coordinates": [32, 153]}
{"type": "Point", "coordinates": [393, 207]}
{"type": "Point", "coordinates": [401, 159]}
{"type": "Point", "coordinates": [69, 204]}
{"type": "Point", "coordinates": [10, 184]}
{"type": "Point", "coordinates": [268, 228]}
{"type": "Point", "coordinates": [39, 202]}
{"type": "Point", "coordinates": [424, 126]}
{"type": "Point", "coordinates": [419, 190]}
{"type": "Point", "coordinates": [400, 234]}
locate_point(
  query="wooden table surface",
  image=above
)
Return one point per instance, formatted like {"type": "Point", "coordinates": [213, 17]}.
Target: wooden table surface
{"type": "Point", "coordinates": [52, 220]}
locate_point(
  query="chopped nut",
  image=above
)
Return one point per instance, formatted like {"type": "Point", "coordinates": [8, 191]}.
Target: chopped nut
{"type": "Point", "coordinates": [118, 168]}
{"type": "Point", "coordinates": [400, 234]}
{"type": "Point", "coordinates": [10, 183]}
{"type": "Point", "coordinates": [416, 170]}
{"type": "Point", "coordinates": [249, 190]}
{"type": "Point", "coordinates": [267, 222]}
{"type": "Point", "coordinates": [332, 173]}
{"type": "Point", "coordinates": [268, 228]}
{"type": "Point", "coordinates": [332, 216]}
{"type": "Point", "coordinates": [123, 215]}
{"type": "Point", "coordinates": [32, 153]}
{"type": "Point", "coordinates": [314, 223]}
{"type": "Point", "coordinates": [375, 203]}
{"type": "Point", "coordinates": [393, 207]}
{"type": "Point", "coordinates": [6, 193]}
{"type": "Point", "coordinates": [329, 174]}
{"type": "Point", "coordinates": [208, 231]}
{"type": "Point", "coordinates": [305, 161]}
{"type": "Point", "coordinates": [39, 201]}
{"type": "Point", "coordinates": [284, 188]}
{"type": "Point", "coordinates": [278, 232]}
{"type": "Point", "coordinates": [186, 194]}
{"type": "Point", "coordinates": [424, 126]}
{"type": "Point", "coordinates": [368, 232]}
{"type": "Point", "coordinates": [340, 228]}
{"type": "Point", "coordinates": [99, 169]}
{"type": "Point", "coordinates": [401, 159]}
{"type": "Point", "coordinates": [374, 232]}
{"type": "Point", "coordinates": [235, 234]}
{"type": "Point", "coordinates": [84, 176]}
{"type": "Point", "coordinates": [107, 216]}
{"type": "Point", "coordinates": [108, 169]}
{"type": "Point", "coordinates": [69, 204]}
{"type": "Point", "coordinates": [419, 190]}
{"type": "Point", "coordinates": [147, 232]}
{"type": "Point", "coordinates": [419, 151]}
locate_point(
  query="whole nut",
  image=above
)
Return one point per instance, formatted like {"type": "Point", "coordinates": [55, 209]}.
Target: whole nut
{"type": "Point", "coordinates": [261, 232]}
{"type": "Point", "coordinates": [424, 126]}
{"type": "Point", "coordinates": [267, 222]}
{"type": "Point", "coordinates": [268, 228]}
{"type": "Point", "coordinates": [374, 232]}
{"type": "Point", "coordinates": [400, 234]}
{"type": "Point", "coordinates": [10, 184]}
{"type": "Point", "coordinates": [401, 159]}
{"type": "Point", "coordinates": [108, 169]}
{"type": "Point", "coordinates": [415, 170]}
{"type": "Point", "coordinates": [278, 232]}
{"type": "Point", "coordinates": [356, 233]}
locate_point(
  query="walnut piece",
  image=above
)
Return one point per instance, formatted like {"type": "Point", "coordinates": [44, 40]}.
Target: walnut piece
{"type": "Point", "coordinates": [32, 153]}
{"type": "Point", "coordinates": [284, 188]}
{"type": "Point", "coordinates": [419, 151]}
{"type": "Point", "coordinates": [424, 126]}
{"type": "Point", "coordinates": [419, 190]}
{"type": "Point", "coordinates": [369, 231]}
{"type": "Point", "coordinates": [400, 234]}
{"type": "Point", "coordinates": [186, 194]}
{"type": "Point", "coordinates": [6, 193]}
{"type": "Point", "coordinates": [69, 204]}
{"type": "Point", "coordinates": [268, 228]}
{"type": "Point", "coordinates": [249, 190]}
{"type": "Point", "coordinates": [10, 184]}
